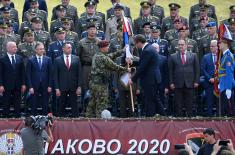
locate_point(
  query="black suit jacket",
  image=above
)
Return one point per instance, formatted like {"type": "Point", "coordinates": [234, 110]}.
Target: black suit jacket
{"type": "Point", "coordinates": [184, 75]}
{"type": "Point", "coordinates": [37, 76]}
{"type": "Point", "coordinates": [67, 80]}
{"type": "Point", "coordinates": [148, 70]}
{"type": "Point", "coordinates": [12, 78]}
{"type": "Point", "coordinates": [163, 65]}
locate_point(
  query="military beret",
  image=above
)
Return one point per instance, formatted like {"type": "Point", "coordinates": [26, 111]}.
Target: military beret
{"type": "Point", "coordinates": [60, 30]}
{"type": "Point", "coordinates": [118, 6]}
{"type": "Point", "coordinates": [211, 24]}
{"type": "Point", "coordinates": [36, 19]}
{"type": "Point", "coordinates": [66, 20]}
{"type": "Point", "coordinates": [89, 3]}
{"type": "Point", "coordinates": [231, 20]}
{"type": "Point", "coordinates": [145, 4]}
{"type": "Point", "coordinates": [3, 24]}
{"type": "Point", "coordinates": [204, 7]}
{"type": "Point", "coordinates": [31, 1]}
{"type": "Point", "coordinates": [155, 27]}
{"type": "Point", "coordinates": [203, 18]}
{"type": "Point", "coordinates": [96, 1]}
{"type": "Point", "coordinates": [146, 23]}
{"type": "Point", "coordinates": [174, 6]}
{"type": "Point", "coordinates": [178, 19]}
{"type": "Point", "coordinates": [28, 31]}
{"type": "Point", "coordinates": [232, 8]}
{"type": "Point", "coordinates": [60, 7]}
{"type": "Point", "coordinates": [183, 28]}
{"type": "Point", "coordinates": [103, 43]}
{"type": "Point", "coordinates": [6, 9]}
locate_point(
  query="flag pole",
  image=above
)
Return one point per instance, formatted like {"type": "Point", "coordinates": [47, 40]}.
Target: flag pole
{"type": "Point", "coordinates": [131, 93]}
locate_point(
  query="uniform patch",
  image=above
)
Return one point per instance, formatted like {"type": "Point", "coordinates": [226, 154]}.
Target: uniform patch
{"type": "Point", "coordinates": [228, 63]}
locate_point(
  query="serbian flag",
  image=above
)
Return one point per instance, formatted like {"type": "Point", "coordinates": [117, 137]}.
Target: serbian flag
{"type": "Point", "coordinates": [126, 33]}
{"type": "Point", "coordinates": [223, 33]}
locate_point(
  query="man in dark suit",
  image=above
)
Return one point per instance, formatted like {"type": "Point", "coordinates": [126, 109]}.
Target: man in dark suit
{"type": "Point", "coordinates": [39, 79]}
{"type": "Point", "coordinates": [149, 74]}
{"type": "Point", "coordinates": [110, 12]}
{"type": "Point", "coordinates": [12, 79]}
{"type": "Point", "coordinates": [208, 66]}
{"type": "Point", "coordinates": [184, 75]}
{"type": "Point", "coordinates": [67, 75]}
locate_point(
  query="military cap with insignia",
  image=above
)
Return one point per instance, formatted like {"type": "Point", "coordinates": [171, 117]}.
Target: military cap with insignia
{"type": "Point", "coordinates": [60, 30]}
{"type": "Point", "coordinates": [89, 3]}
{"type": "Point", "coordinates": [232, 8]}
{"type": "Point", "coordinates": [96, 1]}
{"type": "Point", "coordinates": [3, 24]}
{"type": "Point", "coordinates": [60, 7]}
{"type": "Point", "coordinates": [204, 7]}
{"type": "Point", "coordinates": [146, 23]}
{"type": "Point", "coordinates": [231, 20]}
{"type": "Point", "coordinates": [183, 28]}
{"type": "Point", "coordinates": [32, 1]}
{"type": "Point", "coordinates": [211, 24]}
{"type": "Point", "coordinates": [5, 9]}
{"type": "Point", "coordinates": [155, 27]}
{"type": "Point", "coordinates": [66, 20]}
{"type": "Point", "coordinates": [27, 31]}
{"type": "Point", "coordinates": [145, 4]}
{"type": "Point", "coordinates": [103, 43]}
{"type": "Point", "coordinates": [174, 6]}
{"type": "Point", "coordinates": [118, 6]}
{"type": "Point", "coordinates": [36, 19]}
{"type": "Point", "coordinates": [178, 20]}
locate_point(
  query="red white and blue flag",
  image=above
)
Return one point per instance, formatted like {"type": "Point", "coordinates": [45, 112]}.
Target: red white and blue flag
{"type": "Point", "coordinates": [126, 32]}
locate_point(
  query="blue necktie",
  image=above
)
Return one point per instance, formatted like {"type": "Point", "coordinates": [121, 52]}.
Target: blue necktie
{"type": "Point", "coordinates": [40, 62]}
{"type": "Point", "coordinates": [13, 62]}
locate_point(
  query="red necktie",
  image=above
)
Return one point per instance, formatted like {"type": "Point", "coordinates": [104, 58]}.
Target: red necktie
{"type": "Point", "coordinates": [67, 61]}
{"type": "Point", "coordinates": [183, 58]}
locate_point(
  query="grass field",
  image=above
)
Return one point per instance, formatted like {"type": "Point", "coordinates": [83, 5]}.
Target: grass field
{"type": "Point", "coordinates": [222, 10]}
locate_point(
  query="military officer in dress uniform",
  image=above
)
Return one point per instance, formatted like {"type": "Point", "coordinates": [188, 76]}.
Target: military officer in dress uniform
{"type": "Point", "coordinates": [111, 14]}
{"type": "Point", "coordinates": [232, 30]}
{"type": "Point", "coordinates": [167, 23]}
{"type": "Point", "coordinates": [16, 37]}
{"type": "Point", "coordinates": [232, 14]}
{"type": "Point", "coordinates": [40, 35]}
{"type": "Point", "coordinates": [198, 34]}
{"type": "Point", "coordinates": [195, 9]}
{"type": "Point", "coordinates": [146, 17]}
{"type": "Point", "coordinates": [102, 15]}
{"type": "Point", "coordinates": [4, 37]}
{"type": "Point", "coordinates": [156, 38]}
{"type": "Point", "coordinates": [13, 12]}
{"type": "Point", "coordinates": [156, 10]}
{"type": "Point", "coordinates": [147, 31]}
{"type": "Point", "coordinates": [34, 5]}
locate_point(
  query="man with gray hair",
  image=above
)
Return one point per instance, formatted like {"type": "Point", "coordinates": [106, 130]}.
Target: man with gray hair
{"type": "Point", "coordinates": [12, 79]}
{"type": "Point", "coordinates": [208, 67]}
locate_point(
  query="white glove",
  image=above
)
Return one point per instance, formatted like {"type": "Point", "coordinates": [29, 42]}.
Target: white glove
{"type": "Point", "coordinates": [228, 93]}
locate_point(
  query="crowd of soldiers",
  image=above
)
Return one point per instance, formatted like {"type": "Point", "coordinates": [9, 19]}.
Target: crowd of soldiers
{"type": "Point", "coordinates": [76, 39]}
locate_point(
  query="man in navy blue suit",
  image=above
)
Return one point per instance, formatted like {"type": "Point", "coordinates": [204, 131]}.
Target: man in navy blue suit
{"type": "Point", "coordinates": [149, 74]}
{"type": "Point", "coordinates": [12, 79]}
{"type": "Point", "coordinates": [208, 66]}
{"type": "Point", "coordinates": [39, 79]}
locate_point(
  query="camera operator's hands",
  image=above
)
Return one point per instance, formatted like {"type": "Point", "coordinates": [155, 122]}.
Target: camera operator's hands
{"type": "Point", "coordinates": [216, 148]}
{"type": "Point", "coordinates": [31, 91]}
{"type": "Point", "coordinates": [79, 91]}
{"type": "Point", "coordinates": [230, 146]}
{"type": "Point", "coordinates": [1, 89]}
{"type": "Point", "coordinates": [188, 149]}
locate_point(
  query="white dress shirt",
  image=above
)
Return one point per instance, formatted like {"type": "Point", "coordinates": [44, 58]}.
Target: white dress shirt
{"type": "Point", "coordinates": [144, 46]}
{"type": "Point", "coordinates": [65, 58]}
{"type": "Point", "coordinates": [10, 57]}
{"type": "Point", "coordinates": [37, 56]}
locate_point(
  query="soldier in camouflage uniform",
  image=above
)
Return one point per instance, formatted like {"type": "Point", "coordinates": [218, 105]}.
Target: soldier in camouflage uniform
{"type": "Point", "coordinates": [90, 13]}
{"type": "Point", "coordinates": [13, 12]}
{"type": "Point", "coordinates": [60, 11]}
{"type": "Point", "coordinates": [195, 22]}
{"type": "Point", "coordinates": [156, 10]}
{"type": "Point", "coordinates": [147, 17]}
{"type": "Point", "coordinates": [71, 11]}
{"type": "Point", "coordinates": [174, 33]}
{"type": "Point", "coordinates": [195, 9]}
{"type": "Point", "coordinates": [111, 24]}
{"type": "Point", "coordinates": [102, 67]}
{"type": "Point", "coordinates": [27, 48]}
{"type": "Point", "coordinates": [168, 22]}
{"type": "Point", "coordinates": [204, 42]}
{"type": "Point", "coordinates": [232, 14]}
{"type": "Point", "coordinates": [40, 35]}
{"type": "Point", "coordinates": [183, 35]}
{"type": "Point", "coordinates": [40, 13]}
{"type": "Point", "coordinates": [198, 34]}
{"type": "Point", "coordinates": [156, 38]}
{"type": "Point", "coordinates": [232, 30]}
{"type": "Point", "coordinates": [87, 47]}
{"type": "Point", "coordinates": [15, 37]}
{"type": "Point", "coordinates": [4, 38]}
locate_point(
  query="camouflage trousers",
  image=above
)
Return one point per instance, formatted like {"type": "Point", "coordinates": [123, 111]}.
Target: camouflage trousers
{"type": "Point", "coordinates": [98, 102]}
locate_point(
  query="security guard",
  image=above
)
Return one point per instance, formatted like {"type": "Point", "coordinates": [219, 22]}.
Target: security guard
{"type": "Point", "coordinates": [183, 34]}
{"type": "Point", "coordinates": [156, 38]}
{"type": "Point", "coordinates": [204, 42]}
{"type": "Point", "coordinates": [27, 48]}
{"type": "Point", "coordinates": [198, 34]}
{"type": "Point", "coordinates": [174, 33]}
{"type": "Point", "coordinates": [232, 14]}
{"type": "Point", "coordinates": [4, 37]}
{"type": "Point", "coordinates": [156, 10]}
{"type": "Point", "coordinates": [60, 11]}
{"type": "Point", "coordinates": [90, 13]}
{"type": "Point", "coordinates": [15, 37]}
{"type": "Point", "coordinates": [232, 30]}
{"type": "Point", "coordinates": [195, 9]}
{"type": "Point", "coordinates": [195, 22]}
{"type": "Point", "coordinates": [40, 35]}
{"type": "Point", "coordinates": [226, 76]}
{"type": "Point", "coordinates": [167, 23]}
{"type": "Point", "coordinates": [42, 14]}
{"type": "Point", "coordinates": [111, 24]}
{"type": "Point", "coordinates": [87, 47]}
{"type": "Point", "coordinates": [99, 34]}
{"type": "Point", "coordinates": [146, 17]}
{"type": "Point", "coordinates": [13, 12]}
